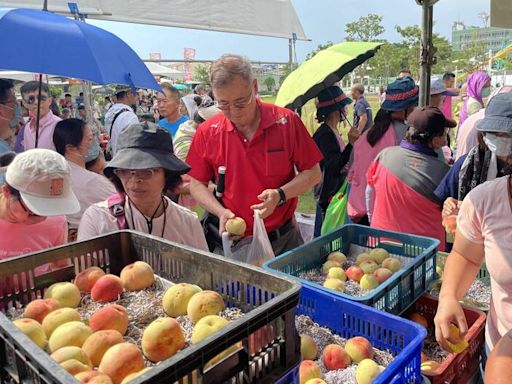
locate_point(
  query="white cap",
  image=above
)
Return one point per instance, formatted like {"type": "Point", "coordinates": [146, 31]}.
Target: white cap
{"type": "Point", "coordinates": [43, 179]}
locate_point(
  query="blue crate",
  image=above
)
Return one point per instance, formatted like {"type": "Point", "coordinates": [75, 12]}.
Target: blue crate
{"type": "Point", "coordinates": [290, 377]}
{"type": "Point", "coordinates": [402, 338]}
{"type": "Point", "coordinates": [397, 293]}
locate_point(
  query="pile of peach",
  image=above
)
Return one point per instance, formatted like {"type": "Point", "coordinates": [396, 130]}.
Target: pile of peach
{"type": "Point", "coordinates": [95, 350]}
{"type": "Point", "coordinates": [369, 270]}
{"type": "Point", "coordinates": [357, 350]}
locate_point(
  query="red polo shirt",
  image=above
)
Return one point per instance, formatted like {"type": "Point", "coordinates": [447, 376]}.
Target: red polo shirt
{"type": "Point", "coordinates": [268, 161]}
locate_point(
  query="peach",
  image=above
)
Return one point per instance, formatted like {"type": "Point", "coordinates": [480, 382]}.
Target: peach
{"type": "Point", "coordinates": [368, 282]}
{"type": "Point", "coordinates": [71, 353]}
{"type": "Point", "coordinates": [337, 256]}
{"type": "Point", "coordinates": [450, 224]}
{"type": "Point", "coordinates": [74, 366]}
{"type": "Point", "coordinates": [335, 357]}
{"type": "Point", "coordinates": [369, 266]}
{"type": "Point", "coordinates": [38, 309]}
{"type": "Point", "coordinates": [69, 334]}
{"type": "Point", "coordinates": [86, 279]}
{"type": "Point", "coordinates": [207, 326]}
{"type": "Point", "coordinates": [33, 330]}
{"type": "Point", "coordinates": [419, 318]}
{"type": "Point", "coordinates": [176, 298]}
{"type": "Point", "coordinates": [429, 367]}
{"type": "Point", "coordinates": [121, 360]}
{"type": "Point", "coordinates": [334, 284]}
{"type": "Point", "coordinates": [308, 348]}
{"type": "Point", "coordinates": [107, 288]}
{"type": "Point", "coordinates": [309, 370]}
{"type": "Point", "coordinates": [392, 264]}
{"type": "Point", "coordinates": [93, 377]}
{"type": "Point", "coordinates": [67, 294]}
{"type": "Point", "coordinates": [137, 276]}
{"type": "Point", "coordinates": [355, 273]}
{"type": "Point", "coordinates": [328, 265]}
{"type": "Point", "coordinates": [111, 316]}
{"type": "Point", "coordinates": [132, 376]}
{"type": "Point", "coordinates": [367, 370]}
{"type": "Point", "coordinates": [362, 257]}
{"type": "Point", "coordinates": [379, 255]}
{"type": "Point", "coordinates": [99, 342]}
{"type": "Point", "coordinates": [236, 226]}
{"type": "Point", "coordinates": [204, 303]}
{"type": "Point", "coordinates": [455, 335]}
{"type": "Point", "coordinates": [162, 339]}
{"type": "Point", "coordinates": [359, 348]}
{"type": "Point", "coordinates": [382, 274]}
{"type": "Point", "coordinates": [337, 273]}
{"type": "Point", "coordinates": [439, 271]}
{"type": "Point", "coordinates": [58, 317]}
{"type": "Point", "coordinates": [315, 381]}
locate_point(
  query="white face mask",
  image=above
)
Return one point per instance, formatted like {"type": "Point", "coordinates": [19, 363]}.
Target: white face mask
{"type": "Point", "coordinates": [499, 145]}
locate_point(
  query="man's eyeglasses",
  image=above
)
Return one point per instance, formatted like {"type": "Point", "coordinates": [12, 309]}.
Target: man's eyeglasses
{"type": "Point", "coordinates": [141, 174]}
{"type": "Point", "coordinates": [32, 99]}
{"type": "Point", "coordinates": [237, 104]}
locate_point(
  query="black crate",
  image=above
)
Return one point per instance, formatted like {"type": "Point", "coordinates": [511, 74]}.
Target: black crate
{"type": "Point", "coordinates": [268, 302]}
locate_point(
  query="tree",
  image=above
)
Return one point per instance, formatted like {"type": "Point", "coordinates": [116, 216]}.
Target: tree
{"type": "Point", "coordinates": [201, 73]}
{"type": "Point", "coordinates": [367, 28]}
{"type": "Point", "coordinates": [320, 47]}
{"type": "Point", "coordinates": [270, 82]}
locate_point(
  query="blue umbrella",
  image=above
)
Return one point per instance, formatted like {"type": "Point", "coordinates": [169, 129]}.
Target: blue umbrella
{"type": "Point", "coordinates": [42, 42]}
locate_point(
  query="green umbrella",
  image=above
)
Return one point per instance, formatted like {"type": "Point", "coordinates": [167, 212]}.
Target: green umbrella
{"type": "Point", "coordinates": [323, 70]}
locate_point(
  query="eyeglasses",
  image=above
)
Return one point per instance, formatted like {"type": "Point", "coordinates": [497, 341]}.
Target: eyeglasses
{"type": "Point", "coordinates": [32, 99]}
{"type": "Point", "coordinates": [236, 104]}
{"type": "Point", "coordinates": [141, 174]}
{"type": "Point", "coordinates": [25, 208]}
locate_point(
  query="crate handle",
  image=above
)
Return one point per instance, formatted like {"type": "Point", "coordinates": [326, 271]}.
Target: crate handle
{"type": "Point", "coordinates": [231, 365]}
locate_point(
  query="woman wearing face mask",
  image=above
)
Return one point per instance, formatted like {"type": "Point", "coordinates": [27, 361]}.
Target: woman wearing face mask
{"type": "Point", "coordinates": [490, 159]}
{"type": "Point", "coordinates": [389, 128]}
{"type": "Point", "coordinates": [331, 111]}
{"type": "Point", "coordinates": [73, 139]}
{"type": "Point", "coordinates": [478, 88]}
{"type": "Point", "coordinates": [401, 180]}
{"type": "Point", "coordinates": [10, 116]}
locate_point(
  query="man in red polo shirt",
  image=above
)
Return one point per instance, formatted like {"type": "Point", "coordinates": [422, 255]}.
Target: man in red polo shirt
{"type": "Point", "coordinates": [269, 156]}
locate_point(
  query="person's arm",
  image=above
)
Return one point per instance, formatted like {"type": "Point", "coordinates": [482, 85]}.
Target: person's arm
{"type": "Point", "coordinates": [500, 361]}
{"type": "Point", "coordinates": [363, 119]}
{"type": "Point", "coordinates": [370, 201]}
{"type": "Point", "coordinates": [207, 200]}
{"type": "Point", "coordinates": [302, 182]}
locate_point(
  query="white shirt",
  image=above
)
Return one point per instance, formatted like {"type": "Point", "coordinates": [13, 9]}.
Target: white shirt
{"type": "Point", "coordinates": [89, 188]}
{"type": "Point", "coordinates": [182, 225]}
{"type": "Point", "coordinates": [123, 120]}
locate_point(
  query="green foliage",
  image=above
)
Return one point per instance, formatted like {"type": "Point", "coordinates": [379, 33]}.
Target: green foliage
{"type": "Point", "coordinates": [201, 73]}
{"type": "Point", "coordinates": [367, 28]}
{"type": "Point", "coordinates": [270, 83]}
{"type": "Point", "coordinates": [320, 47]}
{"type": "Point", "coordinates": [56, 92]}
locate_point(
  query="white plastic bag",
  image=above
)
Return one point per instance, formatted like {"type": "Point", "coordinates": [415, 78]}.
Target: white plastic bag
{"type": "Point", "coordinates": [253, 250]}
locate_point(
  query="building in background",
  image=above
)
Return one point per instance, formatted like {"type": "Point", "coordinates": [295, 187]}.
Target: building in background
{"type": "Point", "coordinates": [492, 39]}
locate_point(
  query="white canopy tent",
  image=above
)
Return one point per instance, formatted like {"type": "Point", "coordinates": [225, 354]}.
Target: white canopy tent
{"type": "Point", "coordinates": [161, 70]}
{"type": "Point", "coordinates": [274, 18]}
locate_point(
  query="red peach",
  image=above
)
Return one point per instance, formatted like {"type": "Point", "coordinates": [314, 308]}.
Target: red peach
{"type": "Point", "coordinates": [99, 342]}
{"type": "Point", "coordinates": [112, 316]}
{"type": "Point", "coordinates": [382, 274]}
{"type": "Point", "coordinates": [355, 273]}
{"type": "Point", "coordinates": [359, 349]}
{"type": "Point", "coordinates": [309, 370]}
{"type": "Point", "coordinates": [120, 360]}
{"type": "Point", "coordinates": [107, 288]}
{"type": "Point", "coordinates": [86, 279]}
{"type": "Point", "coordinates": [38, 309]}
{"type": "Point", "coordinates": [335, 357]}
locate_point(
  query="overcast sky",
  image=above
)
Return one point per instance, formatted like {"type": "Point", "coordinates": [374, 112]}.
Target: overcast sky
{"type": "Point", "coordinates": [322, 20]}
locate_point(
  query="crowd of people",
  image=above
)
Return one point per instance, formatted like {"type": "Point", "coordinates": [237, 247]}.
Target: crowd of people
{"type": "Point", "coordinates": [405, 168]}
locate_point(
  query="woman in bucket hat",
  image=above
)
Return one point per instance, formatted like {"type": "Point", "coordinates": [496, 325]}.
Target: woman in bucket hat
{"type": "Point", "coordinates": [142, 169]}
{"type": "Point", "coordinates": [389, 128]}
{"type": "Point", "coordinates": [483, 233]}
{"type": "Point", "coordinates": [331, 110]}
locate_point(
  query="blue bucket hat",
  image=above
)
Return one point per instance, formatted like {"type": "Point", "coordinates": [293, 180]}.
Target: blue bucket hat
{"type": "Point", "coordinates": [401, 95]}
{"type": "Point", "coordinates": [331, 99]}
{"type": "Point", "coordinates": [498, 115]}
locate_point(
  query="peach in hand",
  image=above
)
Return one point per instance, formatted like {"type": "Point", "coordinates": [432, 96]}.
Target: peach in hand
{"type": "Point", "coordinates": [236, 226]}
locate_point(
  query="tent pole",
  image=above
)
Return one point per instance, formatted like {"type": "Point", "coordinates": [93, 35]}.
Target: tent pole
{"type": "Point", "coordinates": [427, 50]}
{"type": "Point", "coordinates": [290, 54]}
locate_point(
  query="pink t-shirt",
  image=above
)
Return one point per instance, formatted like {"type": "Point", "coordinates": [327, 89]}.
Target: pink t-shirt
{"type": "Point", "coordinates": [485, 217]}
{"type": "Point", "coordinates": [363, 155]}
{"type": "Point", "coordinates": [46, 128]}
{"type": "Point", "coordinates": [447, 107]}
{"type": "Point", "coordinates": [400, 208]}
{"type": "Point", "coordinates": [467, 135]}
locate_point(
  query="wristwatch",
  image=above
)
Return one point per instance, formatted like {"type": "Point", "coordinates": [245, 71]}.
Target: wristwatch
{"type": "Point", "coordinates": [282, 197]}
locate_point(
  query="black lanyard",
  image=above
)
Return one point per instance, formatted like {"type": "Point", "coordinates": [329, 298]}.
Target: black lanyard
{"type": "Point", "coordinates": [149, 222]}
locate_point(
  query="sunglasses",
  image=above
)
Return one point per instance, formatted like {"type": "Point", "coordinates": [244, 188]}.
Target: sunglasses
{"type": "Point", "coordinates": [32, 99]}
{"type": "Point", "coordinates": [141, 174]}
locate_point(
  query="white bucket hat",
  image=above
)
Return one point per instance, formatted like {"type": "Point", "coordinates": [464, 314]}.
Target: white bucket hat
{"type": "Point", "coordinates": [43, 179]}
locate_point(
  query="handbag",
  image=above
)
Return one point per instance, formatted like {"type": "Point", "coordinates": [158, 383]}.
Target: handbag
{"type": "Point", "coordinates": [336, 212]}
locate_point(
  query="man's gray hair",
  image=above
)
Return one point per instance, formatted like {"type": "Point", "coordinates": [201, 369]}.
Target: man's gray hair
{"type": "Point", "coordinates": [224, 69]}
{"type": "Point", "coordinates": [359, 88]}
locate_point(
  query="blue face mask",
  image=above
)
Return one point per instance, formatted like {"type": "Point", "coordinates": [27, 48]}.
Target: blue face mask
{"type": "Point", "coordinates": [486, 92]}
